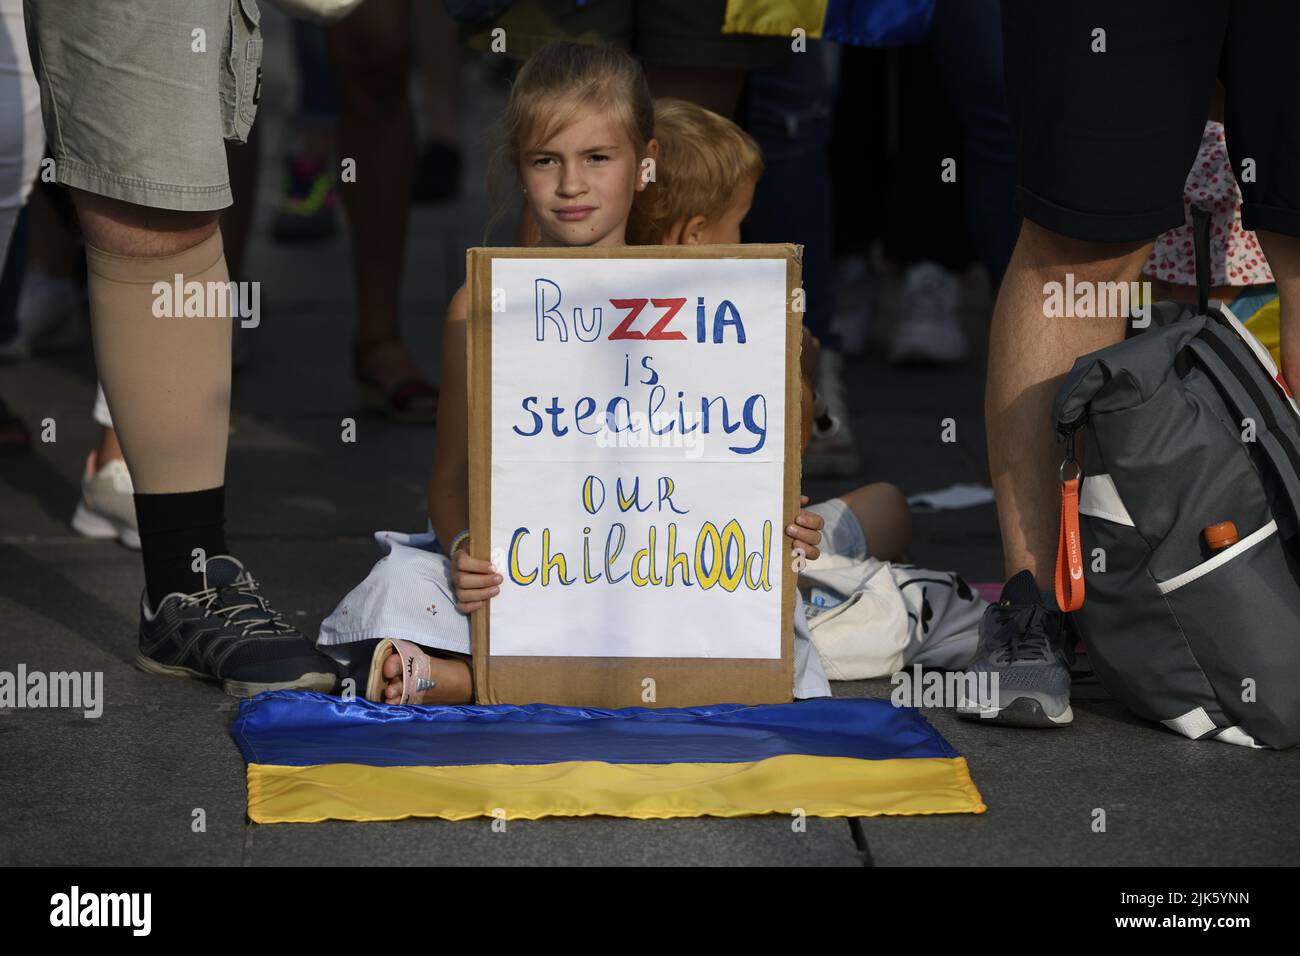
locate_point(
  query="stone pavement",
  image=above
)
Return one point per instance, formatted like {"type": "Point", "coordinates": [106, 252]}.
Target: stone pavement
{"type": "Point", "coordinates": [122, 788]}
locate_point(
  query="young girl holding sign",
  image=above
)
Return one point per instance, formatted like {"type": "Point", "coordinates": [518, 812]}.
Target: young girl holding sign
{"type": "Point", "coordinates": [578, 132]}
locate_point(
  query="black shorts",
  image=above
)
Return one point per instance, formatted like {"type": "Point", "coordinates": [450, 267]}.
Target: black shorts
{"type": "Point", "coordinates": [1107, 138]}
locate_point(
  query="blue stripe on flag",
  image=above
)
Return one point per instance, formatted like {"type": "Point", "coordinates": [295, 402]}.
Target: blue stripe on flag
{"type": "Point", "coordinates": [301, 728]}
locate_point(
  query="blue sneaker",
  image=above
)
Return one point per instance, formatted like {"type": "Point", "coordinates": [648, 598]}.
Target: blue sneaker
{"type": "Point", "coordinates": [1021, 664]}
{"type": "Point", "coordinates": [229, 634]}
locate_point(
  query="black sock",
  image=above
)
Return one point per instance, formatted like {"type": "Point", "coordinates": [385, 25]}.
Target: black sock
{"type": "Point", "coordinates": [171, 527]}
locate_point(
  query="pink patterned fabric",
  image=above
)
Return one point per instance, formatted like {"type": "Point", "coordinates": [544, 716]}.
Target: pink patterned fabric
{"type": "Point", "coordinates": [1235, 256]}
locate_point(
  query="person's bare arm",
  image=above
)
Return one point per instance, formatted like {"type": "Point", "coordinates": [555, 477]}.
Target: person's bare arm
{"type": "Point", "coordinates": [449, 481]}
{"type": "Point", "coordinates": [473, 578]}
{"type": "Point", "coordinates": [885, 517]}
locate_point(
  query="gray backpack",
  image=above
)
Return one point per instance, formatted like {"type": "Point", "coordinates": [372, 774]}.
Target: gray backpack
{"type": "Point", "coordinates": [1189, 426]}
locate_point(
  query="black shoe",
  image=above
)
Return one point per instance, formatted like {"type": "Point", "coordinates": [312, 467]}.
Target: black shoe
{"type": "Point", "coordinates": [228, 633]}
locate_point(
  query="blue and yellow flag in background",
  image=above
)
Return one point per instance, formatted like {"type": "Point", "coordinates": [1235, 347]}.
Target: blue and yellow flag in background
{"type": "Point", "coordinates": [873, 23]}
{"type": "Point", "coordinates": [315, 757]}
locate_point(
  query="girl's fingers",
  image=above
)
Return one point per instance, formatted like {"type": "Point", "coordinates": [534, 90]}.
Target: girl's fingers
{"type": "Point", "coordinates": [810, 519]}
{"type": "Point", "coordinates": [462, 581]}
{"type": "Point", "coordinates": [475, 582]}
{"type": "Point", "coordinates": [803, 499]}
{"type": "Point", "coordinates": [813, 538]}
{"type": "Point", "coordinates": [463, 562]}
{"type": "Point", "coordinates": [811, 535]}
{"type": "Point", "coordinates": [808, 547]}
{"type": "Point", "coordinates": [469, 595]}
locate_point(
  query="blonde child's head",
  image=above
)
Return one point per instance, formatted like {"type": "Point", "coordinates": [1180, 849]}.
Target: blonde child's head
{"type": "Point", "coordinates": [704, 178]}
{"type": "Point", "coordinates": [578, 127]}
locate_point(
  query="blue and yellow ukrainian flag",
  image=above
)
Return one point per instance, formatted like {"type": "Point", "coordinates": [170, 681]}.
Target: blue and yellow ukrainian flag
{"type": "Point", "coordinates": [873, 23]}
{"type": "Point", "coordinates": [315, 757]}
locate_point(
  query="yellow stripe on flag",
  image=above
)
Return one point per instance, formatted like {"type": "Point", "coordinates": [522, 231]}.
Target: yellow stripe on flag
{"type": "Point", "coordinates": [775, 17]}
{"type": "Point", "coordinates": [820, 786]}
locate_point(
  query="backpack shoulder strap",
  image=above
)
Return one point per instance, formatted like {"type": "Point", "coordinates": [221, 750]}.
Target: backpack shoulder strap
{"type": "Point", "coordinates": [1201, 247]}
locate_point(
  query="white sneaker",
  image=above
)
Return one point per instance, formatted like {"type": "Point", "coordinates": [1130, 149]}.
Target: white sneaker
{"type": "Point", "coordinates": [832, 451]}
{"type": "Point", "coordinates": [107, 505]}
{"type": "Point", "coordinates": [49, 314]}
{"type": "Point", "coordinates": [928, 325]}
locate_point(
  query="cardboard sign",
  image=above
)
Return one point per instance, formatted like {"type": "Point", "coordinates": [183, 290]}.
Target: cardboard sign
{"type": "Point", "coordinates": [634, 461]}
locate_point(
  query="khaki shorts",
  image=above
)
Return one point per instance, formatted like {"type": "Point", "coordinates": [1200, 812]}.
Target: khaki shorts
{"type": "Point", "coordinates": [657, 32]}
{"type": "Point", "coordinates": [140, 96]}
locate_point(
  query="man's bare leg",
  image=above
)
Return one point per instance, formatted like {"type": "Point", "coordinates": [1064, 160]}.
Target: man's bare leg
{"type": "Point", "coordinates": [125, 229]}
{"type": "Point", "coordinates": [1029, 355]}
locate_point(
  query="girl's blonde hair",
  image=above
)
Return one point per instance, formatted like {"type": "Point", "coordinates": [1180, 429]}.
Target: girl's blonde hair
{"type": "Point", "coordinates": [560, 80]}
{"type": "Point", "coordinates": [703, 157]}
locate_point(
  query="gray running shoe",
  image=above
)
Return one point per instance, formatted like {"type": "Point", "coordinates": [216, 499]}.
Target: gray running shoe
{"type": "Point", "coordinates": [1021, 664]}
{"type": "Point", "coordinates": [227, 633]}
